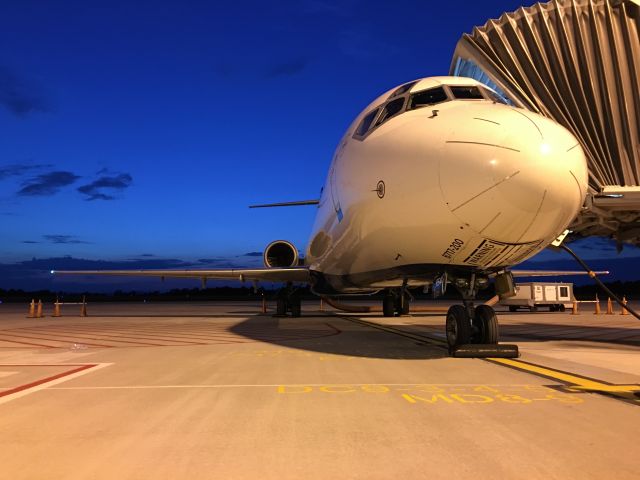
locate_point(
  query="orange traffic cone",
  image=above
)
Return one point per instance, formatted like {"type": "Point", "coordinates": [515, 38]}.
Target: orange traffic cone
{"type": "Point", "coordinates": [597, 310]}
{"type": "Point", "coordinates": [321, 305]}
{"type": "Point", "coordinates": [32, 309]}
{"type": "Point", "coordinates": [39, 309]}
{"type": "Point", "coordinates": [56, 309]}
{"type": "Point", "coordinates": [574, 309]}
{"type": "Point", "coordinates": [609, 307]}
{"type": "Point", "coordinates": [624, 310]}
{"type": "Point", "coordinates": [83, 308]}
{"type": "Point", "coordinates": [264, 304]}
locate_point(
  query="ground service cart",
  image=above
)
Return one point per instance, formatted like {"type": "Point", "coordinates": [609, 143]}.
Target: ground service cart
{"type": "Point", "coordinates": [556, 296]}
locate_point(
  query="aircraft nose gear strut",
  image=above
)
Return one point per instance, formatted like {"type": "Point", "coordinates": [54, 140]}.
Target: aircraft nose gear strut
{"type": "Point", "coordinates": [473, 331]}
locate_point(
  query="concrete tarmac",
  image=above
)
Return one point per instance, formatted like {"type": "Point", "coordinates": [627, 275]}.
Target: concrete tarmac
{"type": "Point", "coordinates": [218, 390]}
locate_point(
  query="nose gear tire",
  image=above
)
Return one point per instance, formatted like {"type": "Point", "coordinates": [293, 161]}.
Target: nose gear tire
{"type": "Point", "coordinates": [458, 326]}
{"type": "Point", "coordinates": [486, 325]}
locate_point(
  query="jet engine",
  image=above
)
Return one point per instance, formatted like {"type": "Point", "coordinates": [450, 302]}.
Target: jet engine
{"type": "Point", "coordinates": [280, 254]}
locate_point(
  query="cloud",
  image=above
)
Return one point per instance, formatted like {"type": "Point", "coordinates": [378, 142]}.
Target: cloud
{"type": "Point", "coordinates": [216, 262]}
{"type": "Point", "coordinates": [29, 241]}
{"type": "Point", "coordinates": [17, 170]}
{"type": "Point", "coordinates": [96, 189]}
{"type": "Point", "coordinates": [66, 239]}
{"type": "Point", "coordinates": [20, 96]}
{"type": "Point", "coordinates": [47, 184]}
{"type": "Point", "coordinates": [252, 254]}
{"type": "Point", "coordinates": [290, 68]}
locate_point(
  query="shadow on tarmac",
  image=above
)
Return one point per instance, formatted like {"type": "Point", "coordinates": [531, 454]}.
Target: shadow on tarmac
{"type": "Point", "coordinates": [558, 332]}
{"type": "Point", "coordinates": [336, 336]}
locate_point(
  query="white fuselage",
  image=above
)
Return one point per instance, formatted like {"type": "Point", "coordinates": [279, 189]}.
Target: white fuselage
{"type": "Point", "coordinates": [459, 184]}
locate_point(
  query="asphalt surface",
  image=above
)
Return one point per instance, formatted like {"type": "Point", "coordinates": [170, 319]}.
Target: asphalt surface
{"type": "Point", "coordinates": [172, 391]}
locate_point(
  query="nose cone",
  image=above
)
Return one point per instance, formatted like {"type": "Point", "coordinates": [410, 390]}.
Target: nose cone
{"type": "Point", "coordinates": [513, 176]}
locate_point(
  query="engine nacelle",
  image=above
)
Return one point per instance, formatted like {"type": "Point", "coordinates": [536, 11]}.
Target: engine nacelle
{"type": "Point", "coordinates": [280, 254]}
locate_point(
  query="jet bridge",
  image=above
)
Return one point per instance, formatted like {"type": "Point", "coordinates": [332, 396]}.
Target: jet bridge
{"type": "Point", "coordinates": [578, 62]}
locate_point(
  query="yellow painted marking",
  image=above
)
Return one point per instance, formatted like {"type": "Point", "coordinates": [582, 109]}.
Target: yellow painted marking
{"type": "Point", "coordinates": [375, 389]}
{"type": "Point", "coordinates": [337, 389]}
{"type": "Point", "coordinates": [576, 383]}
{"type": "Point", "coordinates": [433, 399]}
{"type": "Point", "coordinates": [471, 398]}
{"type": "Point", "coordinates": [294, 389]}
{"type": "Point", "coordinates": [464, 394]}
{"type": "Point", "coordinates": [611, 388]}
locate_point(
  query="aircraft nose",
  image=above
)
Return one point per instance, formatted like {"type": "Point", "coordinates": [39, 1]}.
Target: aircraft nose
{"type": "Point", "coordinates": [514, 176]}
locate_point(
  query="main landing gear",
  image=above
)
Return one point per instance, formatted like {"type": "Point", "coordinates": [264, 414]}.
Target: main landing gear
{"type": "Point", "coordinates": [395, 302]}
{"type": "Point", "coordinates": [288, 300]}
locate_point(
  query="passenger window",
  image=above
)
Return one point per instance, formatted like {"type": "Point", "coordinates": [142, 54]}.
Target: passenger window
{"type": "Point", "coordinates": [402, 89]}
{"type": "Point", "coordinates": [391, 109]}
{"type": "Point", "coordinates": [366, 122]}
{"type": "Point", "coordinates": [467, 93]}
{"type": "Point", "coordinates": [428, 97]}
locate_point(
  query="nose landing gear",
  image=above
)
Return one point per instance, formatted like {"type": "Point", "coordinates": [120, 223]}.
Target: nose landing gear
{"type": "Point", "coordinates": [473, 331]}
{"type": "Point", "coordinates": [481, 328]}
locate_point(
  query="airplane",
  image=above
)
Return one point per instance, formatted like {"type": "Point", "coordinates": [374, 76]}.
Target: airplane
{"type": "Point", "coordinates": [439, 181]}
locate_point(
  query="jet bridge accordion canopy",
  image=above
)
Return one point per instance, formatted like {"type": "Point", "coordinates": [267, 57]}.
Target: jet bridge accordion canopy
{"type": "Point", "coordinates": [578, 62]}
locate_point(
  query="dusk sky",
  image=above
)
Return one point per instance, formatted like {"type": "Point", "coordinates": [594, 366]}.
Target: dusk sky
{"type": "Point", "coordinates": [137, 133]}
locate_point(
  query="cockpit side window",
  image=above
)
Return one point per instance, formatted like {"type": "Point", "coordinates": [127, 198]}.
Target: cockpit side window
{"type": "Point", "coordinates": [366, 123]}
{"type": "Point", "coordinates": [494, 97]}
{"type": "Point", "coordinates": [427, 97]}
{"type": "Point", "coordinates": [467, 93]}
{"type": "Point", "coordinates": [402, 89]}
{"type": "Point", "coordinates": [391, 109]}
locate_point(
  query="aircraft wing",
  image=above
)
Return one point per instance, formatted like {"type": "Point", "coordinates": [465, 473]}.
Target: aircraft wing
{"type": "Point", "coordinates": [290, 274]}
{"type": "Point", "coordinates": [552, 273]}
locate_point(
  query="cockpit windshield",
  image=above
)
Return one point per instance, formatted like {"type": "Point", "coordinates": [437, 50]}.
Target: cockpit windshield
{"type": "Point", "coordinates": [402, 89]}
{"type": "Point", "coordinates": [391, 109]}
{"type": "Point", "coordinates": [467, 93]}
{"type": "Point", "coordinates": [402, 100]}
{"type": "Point", "coordinates": [428, 97]}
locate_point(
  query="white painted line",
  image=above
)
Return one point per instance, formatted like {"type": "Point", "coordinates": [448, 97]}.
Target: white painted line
{"type": "Point", "coordinates": [275, 385]}
{"type": "Point", "coordinates": [7, 374]}
{"type": "Point", "coordinates": [41, 386]}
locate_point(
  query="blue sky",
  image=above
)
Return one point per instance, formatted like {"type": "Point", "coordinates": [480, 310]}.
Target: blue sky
{"type": "Point", "coordinates": [137, 133]}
